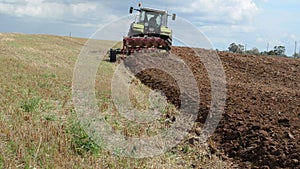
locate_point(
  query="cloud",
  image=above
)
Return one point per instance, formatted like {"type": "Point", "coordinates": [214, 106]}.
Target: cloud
{"type": "Point", "coordinates": [82, 8]}
{"type": "Point", "coordinates": [198, 11]}
{"type": "Point", "coordinates": [222, 11]}
{"type": "Point", "coordinates": [45, 9]}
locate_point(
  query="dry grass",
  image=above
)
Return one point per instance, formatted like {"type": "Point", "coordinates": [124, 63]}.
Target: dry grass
{"type": "Point", "coordinates": [38, 126]}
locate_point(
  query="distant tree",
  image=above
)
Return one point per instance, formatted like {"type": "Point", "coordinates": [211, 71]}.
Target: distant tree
{"type": "Point", "coordinates": [236, 48]}
{"type": "Point", "coordinates": [253, 51]}
{"type": "Point", "coordinates": [264, 53]}
{"type": "Point", "coordinates": [233, 47]}
{"type": "Point", "coordinates": [278, 50]}
{"type": "Point", "coordinates": [296, 55]}
{"type": "Point", "coordinates": [271, 52]}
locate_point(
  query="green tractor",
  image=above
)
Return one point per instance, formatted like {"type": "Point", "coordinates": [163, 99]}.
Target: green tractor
{"type": "Point", "coordinates": [148, 32]}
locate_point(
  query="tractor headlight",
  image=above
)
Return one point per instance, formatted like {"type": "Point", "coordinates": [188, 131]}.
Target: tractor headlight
{"type": "Point", "coordinates": [146, 24]}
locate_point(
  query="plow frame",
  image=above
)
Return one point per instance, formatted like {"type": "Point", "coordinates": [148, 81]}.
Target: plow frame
{"type": "Point", "coordinates": [146, 45]}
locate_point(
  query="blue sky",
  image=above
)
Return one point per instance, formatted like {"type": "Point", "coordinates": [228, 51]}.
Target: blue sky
{"type": "Point", "coordinates": [251, 22]}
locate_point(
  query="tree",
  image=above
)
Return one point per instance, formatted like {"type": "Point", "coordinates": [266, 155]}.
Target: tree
{"type": "Point", "coordinates": [296, 55]}
{"type": "Point", "coordinates": [264, 53]}
{"type": "Point", "coordinates": [253, 51]}
{"type": "Point", "coordinates": [278, 50]}
{"type": "Point", "coordinates": [271, 52]}
{"type": "Point", "coordinates": [236, 48]}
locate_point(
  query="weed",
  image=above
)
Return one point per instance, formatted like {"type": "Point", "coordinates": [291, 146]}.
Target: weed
{"type": "Point", "coordinates": [186, 149]}
{"type": "Point", "coordinates": [50, 117]}
{"type": "Point", "coordinates": [12, 147]}
{"type": "Point", "coordinates": [1, 162]}
{"type": "Point", "coordinates": [31, 104]}
{"type": "Point", "coordinates": [82, 142]}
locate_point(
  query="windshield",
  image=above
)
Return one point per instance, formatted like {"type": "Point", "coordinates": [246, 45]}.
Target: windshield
{"type": "Point", "coordinates": [146, 16]}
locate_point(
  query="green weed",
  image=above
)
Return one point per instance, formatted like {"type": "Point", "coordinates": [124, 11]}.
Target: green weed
{"type": "Point", "coordinates": [1, 162]}
{"type": "Point", "coordinates": [31, 104]}
{"type": "Point", "coordinates": [83, 144]}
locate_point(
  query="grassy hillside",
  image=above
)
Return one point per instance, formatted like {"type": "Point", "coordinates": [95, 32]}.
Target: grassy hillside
{"type": "Point", "coordinates": [38, 126]}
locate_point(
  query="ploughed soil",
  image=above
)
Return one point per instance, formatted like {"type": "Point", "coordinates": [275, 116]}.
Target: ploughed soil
{"type": "Point", "coordinates": [260, 126]}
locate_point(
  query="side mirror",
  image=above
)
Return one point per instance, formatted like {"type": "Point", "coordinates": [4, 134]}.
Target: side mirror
{"type": "Point", "coordinates": [131, 10]}
{"type": "Point", "coordinates": [173, 17]}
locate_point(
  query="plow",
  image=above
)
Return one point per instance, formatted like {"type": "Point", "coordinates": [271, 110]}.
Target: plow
{"type": "Point", "coordinates": [148, 33]}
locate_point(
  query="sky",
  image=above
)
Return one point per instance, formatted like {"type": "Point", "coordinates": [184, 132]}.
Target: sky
{"type": "Point", "coordinates": [253, 23]}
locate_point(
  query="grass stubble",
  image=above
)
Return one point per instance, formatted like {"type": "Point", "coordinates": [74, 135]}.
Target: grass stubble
{"type": "Point", "coordinates": [38, 123]}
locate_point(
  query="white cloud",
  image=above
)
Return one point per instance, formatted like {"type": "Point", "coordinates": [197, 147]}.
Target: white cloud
{"type": "Point", "coordinates": [42, 9]}
{"type": "Point", "coordinates": [225, 11]}
{"type": "Point", "coordinates": [6, 8]}
{"type": "Point", "coordinates": [263, 0]}
{"type": "Point", "coordinates": [199, 11]}
{"type": "Point", "coordinates": [81, 8]}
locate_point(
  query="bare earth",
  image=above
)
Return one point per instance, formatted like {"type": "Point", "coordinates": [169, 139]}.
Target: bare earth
{"type": "Point", "coordinates": [260, 126]}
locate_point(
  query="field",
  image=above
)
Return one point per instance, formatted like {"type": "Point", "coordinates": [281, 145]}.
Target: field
{"type": "Point", "coordinates": [38, 123]}
{"type": "Point", "coordinates": [39, 127]}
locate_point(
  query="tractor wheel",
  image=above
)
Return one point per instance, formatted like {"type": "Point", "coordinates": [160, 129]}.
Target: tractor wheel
{"type": "Point", "coordinates": [128, 52]}
{"type": "Point", "coordinates": [112, 55]}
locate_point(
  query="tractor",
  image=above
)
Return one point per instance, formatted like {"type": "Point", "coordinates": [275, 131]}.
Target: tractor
{"type": "Point", "coordinates": [149, 32]}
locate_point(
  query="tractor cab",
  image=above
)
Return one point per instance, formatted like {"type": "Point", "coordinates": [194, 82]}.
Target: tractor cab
{"type": "Point", "coordinates": [152, 18]}
{"type": "Point", "coordinates": [151, 22]}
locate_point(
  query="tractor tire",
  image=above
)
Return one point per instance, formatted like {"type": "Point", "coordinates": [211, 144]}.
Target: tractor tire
{"type": "Point", "coordinates": [128, 52]}
{"type": "Point", "coordinates": [112, 55]}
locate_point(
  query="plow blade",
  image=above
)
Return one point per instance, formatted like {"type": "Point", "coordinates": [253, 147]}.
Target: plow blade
{"type": "Point", "coordinates": [145, 42]}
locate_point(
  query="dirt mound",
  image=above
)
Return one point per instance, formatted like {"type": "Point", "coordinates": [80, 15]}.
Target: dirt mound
{"type": "Point", "coordinates": [260, 126]}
